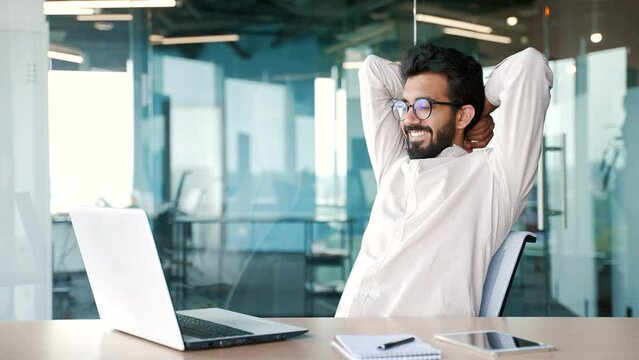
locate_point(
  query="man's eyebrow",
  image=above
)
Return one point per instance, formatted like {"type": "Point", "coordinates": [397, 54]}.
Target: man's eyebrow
{"type": "Point", "coordinates": [418, 97]}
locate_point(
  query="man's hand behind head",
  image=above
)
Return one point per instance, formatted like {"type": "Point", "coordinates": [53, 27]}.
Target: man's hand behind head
{"type": "Point", "coordinates": [481, 134]}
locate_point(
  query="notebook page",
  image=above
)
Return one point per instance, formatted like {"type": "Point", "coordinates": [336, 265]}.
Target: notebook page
{"type": "Point", "coordinates": [366, 346]}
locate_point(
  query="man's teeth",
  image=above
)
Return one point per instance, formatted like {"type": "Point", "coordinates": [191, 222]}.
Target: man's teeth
{"type": "Point", "coordinates": [417, 133]}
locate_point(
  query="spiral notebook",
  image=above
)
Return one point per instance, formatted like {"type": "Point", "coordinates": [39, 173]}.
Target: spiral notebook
{"type": "Point", "coordinates": [366, 347]}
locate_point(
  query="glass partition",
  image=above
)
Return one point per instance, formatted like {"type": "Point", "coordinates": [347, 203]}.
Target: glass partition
{"type": "Point", "coordinates": [91, 137]}
{"type": "Point", "coordinates": [248, 154]}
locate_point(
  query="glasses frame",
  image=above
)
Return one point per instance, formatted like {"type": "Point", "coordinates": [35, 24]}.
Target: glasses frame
{"type": "Point", "coordinates": [431, 102]}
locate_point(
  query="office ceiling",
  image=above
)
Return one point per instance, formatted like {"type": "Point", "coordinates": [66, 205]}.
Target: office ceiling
{"type": "Point", "coordinates": [336, 22]}
{"type": "Point", "coordinates": [283, 19]}
{"type": "Point", "coordinates": [288, 19]}
{"type": "Point", "coordinates": [333, 22]}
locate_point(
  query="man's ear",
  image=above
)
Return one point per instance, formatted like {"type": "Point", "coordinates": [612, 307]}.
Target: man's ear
{"type": "Point", "coordinates": [465, 115]}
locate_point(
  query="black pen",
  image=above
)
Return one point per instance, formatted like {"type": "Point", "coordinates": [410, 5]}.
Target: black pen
{"type": "Point", "coordinates": [395, 343]}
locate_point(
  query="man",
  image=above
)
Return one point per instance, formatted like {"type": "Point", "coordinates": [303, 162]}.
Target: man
{"type": "Point", "coordinates": [442, 211]}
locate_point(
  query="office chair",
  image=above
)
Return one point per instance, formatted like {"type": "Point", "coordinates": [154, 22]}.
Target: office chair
{"type": "Point", "coordinates": [501, 273]}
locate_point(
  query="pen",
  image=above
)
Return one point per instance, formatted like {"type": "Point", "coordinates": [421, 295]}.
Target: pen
{"type": "Point", "coordinates": [395, 343]}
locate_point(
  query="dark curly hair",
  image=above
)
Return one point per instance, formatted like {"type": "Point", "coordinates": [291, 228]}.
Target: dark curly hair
{"type": "Point", "coordinates": [464, 73]}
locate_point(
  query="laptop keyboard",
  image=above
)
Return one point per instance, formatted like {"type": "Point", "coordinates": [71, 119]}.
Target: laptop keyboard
{"type": "Point", "coordinates": [206, 329]}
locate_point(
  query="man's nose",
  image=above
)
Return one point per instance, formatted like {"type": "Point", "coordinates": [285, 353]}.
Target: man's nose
{"type": "Point", "coordinates": [411, 119]}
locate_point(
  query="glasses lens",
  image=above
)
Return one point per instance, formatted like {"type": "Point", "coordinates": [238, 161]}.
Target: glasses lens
{"type": "Point", "coordinates": [422, 108]}
{"type": "Point", "coordinates": [399, 110]}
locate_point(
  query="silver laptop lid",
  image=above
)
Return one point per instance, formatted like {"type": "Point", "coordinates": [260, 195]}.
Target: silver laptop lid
{"type": "Point", "coordinates": [125, 273]}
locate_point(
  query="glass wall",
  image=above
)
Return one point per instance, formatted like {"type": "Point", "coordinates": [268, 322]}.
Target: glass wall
{"type": "Point", "coordinates": [248, 155]}
{"type": "Point", "coordinates": [25, 237]}
{"type": "Point", "coordinates": [91, 137]}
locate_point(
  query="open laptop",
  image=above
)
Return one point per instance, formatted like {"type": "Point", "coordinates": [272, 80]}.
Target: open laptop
{"type": "Point", "coordinates": [132, 296]}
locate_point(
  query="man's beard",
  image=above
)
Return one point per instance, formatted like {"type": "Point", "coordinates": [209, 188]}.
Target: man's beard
{"type": "Point", "coordinates": [444, 139]}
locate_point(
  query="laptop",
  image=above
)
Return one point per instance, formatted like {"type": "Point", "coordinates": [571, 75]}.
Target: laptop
{"type": "Point", "coordinates": [132, 296]}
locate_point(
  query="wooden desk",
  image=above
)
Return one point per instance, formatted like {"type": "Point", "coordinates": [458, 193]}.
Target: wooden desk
{"type": "Point", "coordinates": [575, 338]}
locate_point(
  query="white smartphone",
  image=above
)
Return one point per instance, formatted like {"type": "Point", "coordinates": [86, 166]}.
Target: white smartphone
{"type": "Point", "coordinates": [494, 342]}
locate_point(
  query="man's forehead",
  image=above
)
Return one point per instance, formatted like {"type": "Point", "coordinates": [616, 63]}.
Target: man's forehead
{"type": "Point", "coordinates": [430, 85]}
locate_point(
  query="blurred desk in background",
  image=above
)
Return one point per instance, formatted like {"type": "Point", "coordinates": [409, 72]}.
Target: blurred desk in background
{"type": "Point", "coordinates": [336, 251]}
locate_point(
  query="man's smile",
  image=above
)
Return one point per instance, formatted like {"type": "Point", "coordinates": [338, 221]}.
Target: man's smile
{"type": "Point", "coordinates": [419, 136]}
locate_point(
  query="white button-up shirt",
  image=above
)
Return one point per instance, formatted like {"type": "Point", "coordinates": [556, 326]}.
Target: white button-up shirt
{"type": "Point", "coordinates": [436, 223]}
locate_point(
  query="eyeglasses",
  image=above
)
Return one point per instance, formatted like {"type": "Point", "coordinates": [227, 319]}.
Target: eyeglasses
{"type": "Point", "coordinates": [421, 108]}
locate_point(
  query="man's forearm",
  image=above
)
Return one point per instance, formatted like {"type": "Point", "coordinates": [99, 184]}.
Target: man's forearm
{"type": "Point", "coordinates": [380, 83]}
{"type": "Point", "coordinates": [520, 87]}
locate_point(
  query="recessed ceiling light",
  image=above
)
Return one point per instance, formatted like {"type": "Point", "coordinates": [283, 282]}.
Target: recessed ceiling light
{"type": "Point", "coordinates": [103, 25]}
{"type": "Point", "coordinates": [108, 4]}
{"type": "Point", "coordinates": [477, 35]}
{"type": "Point", "coordinates": [105, 17]}
{"type": "Point", "coordinates": [438, 20]}
{"type": "Point", "coordinates": [512, 20]}
{"type": "Point", "coordinates": [161, 40]}
{"type": "Point", "coordinates": [69, 11]}
{"type": "Point", "coordinates": [596, 37]}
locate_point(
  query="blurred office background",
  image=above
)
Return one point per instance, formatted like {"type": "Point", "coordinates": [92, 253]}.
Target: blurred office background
{"type": "Point", "coordinates": [236, 126]}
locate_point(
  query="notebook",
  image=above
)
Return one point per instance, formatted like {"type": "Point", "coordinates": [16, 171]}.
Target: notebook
{"type": "Point", "coordinates": [366, 347]}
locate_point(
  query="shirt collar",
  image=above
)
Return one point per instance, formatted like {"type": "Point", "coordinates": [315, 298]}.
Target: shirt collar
{"type": "Point", "coordinates": [453, 151]}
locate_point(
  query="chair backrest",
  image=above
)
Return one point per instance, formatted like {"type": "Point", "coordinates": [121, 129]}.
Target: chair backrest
{"type": "Point", "coordinates": [501, 273]}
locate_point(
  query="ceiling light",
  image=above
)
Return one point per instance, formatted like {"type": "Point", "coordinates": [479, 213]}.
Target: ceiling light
{"type": "Point", "coordinates": [65, 57]}
{"type": "Point", "coordinates": [477, 35]}
{"type": "Point", "coordinates": [69, 11]}
{"type": "Point", "coordinates": [105, 17]}
{"type": "Point", "coordinates": [103, 25]}
{"type": "Point", "coordinates": [107, 4]}
{"type": "Point", "coordinates": [453, 23]}
{"type": "Point", "coordinates": [596, 37]}
{"type": "Point", "coordinates": [571, 69]}
{"type": "Point", "coordinates": [161, 40]}
{"type": "Point", "coordinates": [512, 20]}
{"type": "Point", "coordinates": [156, 38]}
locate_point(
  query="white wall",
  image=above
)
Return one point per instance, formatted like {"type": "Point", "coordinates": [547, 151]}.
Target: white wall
{"type": "Point", "coordinates": [25, 225]}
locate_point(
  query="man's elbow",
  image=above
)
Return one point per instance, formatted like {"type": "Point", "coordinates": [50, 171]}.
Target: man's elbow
{"type": "Point", "coordinates": [535, 63]}
{"type": "Point", "coordinates": [368, 66]}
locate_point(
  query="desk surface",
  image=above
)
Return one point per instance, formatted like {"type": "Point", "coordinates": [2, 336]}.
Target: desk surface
{"type": "Point", "coordinates": [575, 338]}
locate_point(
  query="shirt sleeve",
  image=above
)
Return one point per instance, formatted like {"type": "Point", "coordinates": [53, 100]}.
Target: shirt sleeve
{"type": "Point", "coordinates": [380, 83]}
{"type": "Point", "coordinates": [520, 85]}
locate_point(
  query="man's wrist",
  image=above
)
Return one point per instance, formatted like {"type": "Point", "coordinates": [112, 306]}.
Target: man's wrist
{"type": "Point", "coordinates": [488, 107]}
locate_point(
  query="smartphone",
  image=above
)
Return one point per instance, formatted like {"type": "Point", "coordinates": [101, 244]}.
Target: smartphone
{"type": "Point", "coordinates": [494, 342]}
